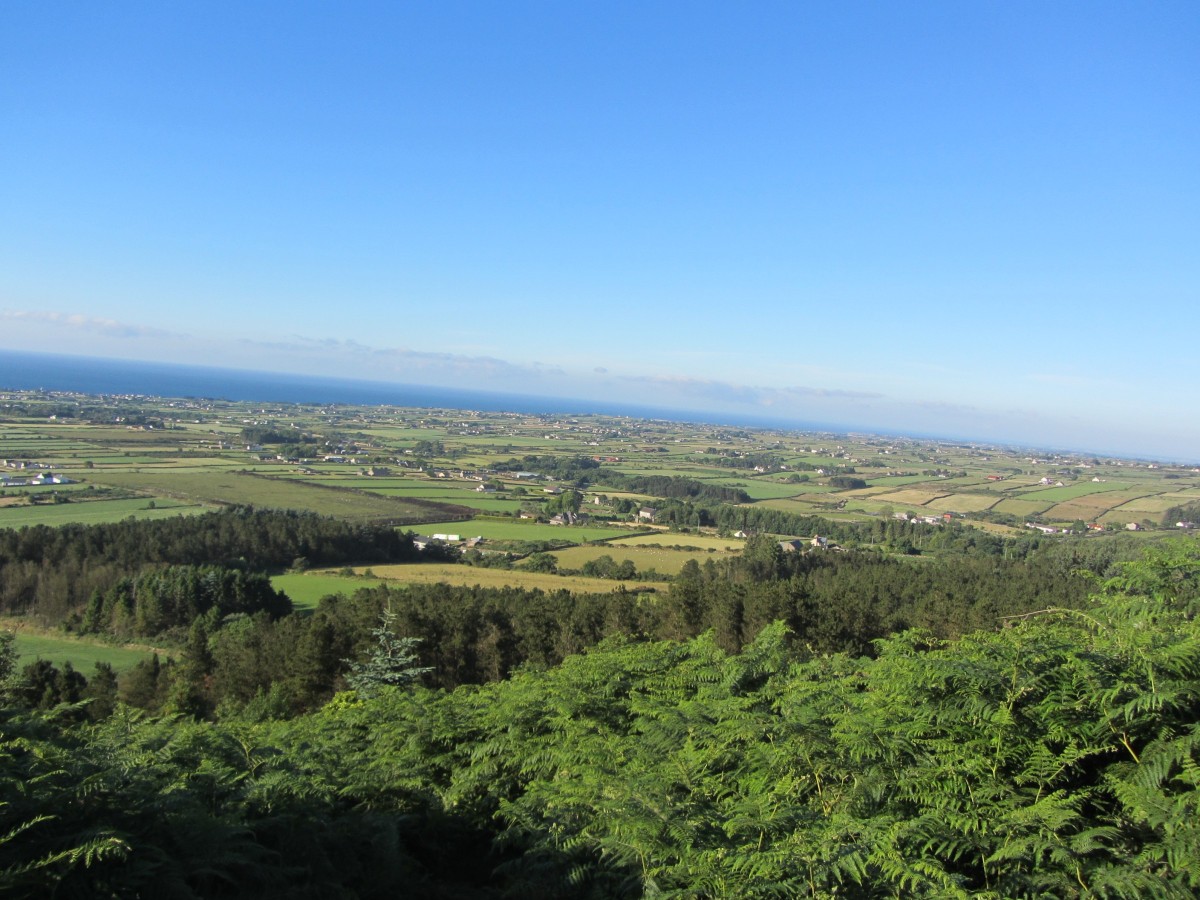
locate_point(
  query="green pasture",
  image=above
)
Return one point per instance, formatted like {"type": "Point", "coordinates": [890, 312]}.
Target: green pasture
{"type": "Point", "coordinates": [307, 588]}
{"type": "Point", "coordinates": [36, 449]}
{"type": "Point", "coordinates": [1078, 489]}
{"type": "Point", "coordinates": [393, 483]}
{"type": "Point", "coordinates": [1152, 507]}
{"type": "Point", "coordinates": [423, 489]}
{"type": "Point", "coordinates": [1021, 508]}
{"type": "Point", "coordinates": [866, 505]}
{"type": "Point", "coordinates": [111, 434]}
{"type": "Point", "coordinates": [1012, 486]}
{"type": "Point", "coordinates": [235, 487]}
{"type": "Point", "coordinates": [101, 457]}
{"type": "Point", "coordinates": [802, 505]}
{"type": "Point", "coordinates": [484, 503]}
{"type": "Point", "coordinates": [899, 480]}
{"type": "Point", "coordinates": [481, 502]}
{"type": "Point", "coordinates": [81, 653]}
{"type": "Point", "coordinates": [35, 489]}
{"type": "Point", "coordinates": [94, 512]}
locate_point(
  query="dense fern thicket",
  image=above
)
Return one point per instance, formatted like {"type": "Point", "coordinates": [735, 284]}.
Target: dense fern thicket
{"type": "Point", "coordinates": [1058, 757]}
{"type": "Point", "coordinates": [52, 573]}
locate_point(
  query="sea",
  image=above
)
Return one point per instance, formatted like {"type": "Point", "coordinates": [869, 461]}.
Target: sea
{"type": "Point", "coordinates": [21, 370]}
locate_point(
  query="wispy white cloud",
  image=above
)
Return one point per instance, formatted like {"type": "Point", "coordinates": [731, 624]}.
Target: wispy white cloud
{"type": "Point", "coordinates": [106, 327]}
{"type": "Point", "coordinates": [757, 395]}
{"type": "Point", "coordinates": [402, 360]}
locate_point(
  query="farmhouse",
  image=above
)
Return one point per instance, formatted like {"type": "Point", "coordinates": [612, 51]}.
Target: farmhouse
{"type": "Point", "coordinates": [1044, 529]}
{"type": "Point", "coordinates": [48, 478]}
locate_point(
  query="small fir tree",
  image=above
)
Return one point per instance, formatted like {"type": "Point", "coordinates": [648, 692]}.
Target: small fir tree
{"type": "Point", "coordinates": [391, 665]}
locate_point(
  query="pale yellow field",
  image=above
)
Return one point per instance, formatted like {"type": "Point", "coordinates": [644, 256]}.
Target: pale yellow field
{"type": "Point", "coordinates": [704, 541]}
{"type": "Point", "coordinates": [961, 503]}
{"type": "Point", "coordinates": [662, 560]}
{"type": "Point", "coordinates": [804, 506]}
{"type": "Point", "coordinates": [1072, 510]}
{"type": "Point", "coordinates": [1123, 516]}
{"type": "Point", "coordinates": [1088, 507]}
{"type": "Point", "coordinates": [1153, 506]}
{"type": "Point", "coordinates": [451, 573]}
{"type": "Point", "coordinates": [872, 491]}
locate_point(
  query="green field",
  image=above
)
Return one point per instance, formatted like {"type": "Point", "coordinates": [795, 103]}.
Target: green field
{"type": "Point", "coordinates": [82, 654]}
{"type": "Point", "coordinates": [1071, 491]}
{"type": "Point", "coordinates": [94, 512]}
{"type": "Point", "coordinates": [1021, 508]}
{"type": "Point", "coordinates": [36, 489]}
{"type": "Point", "coordinates": [307, 588]}
{"type": "Point", "coordinates": [278, 493]}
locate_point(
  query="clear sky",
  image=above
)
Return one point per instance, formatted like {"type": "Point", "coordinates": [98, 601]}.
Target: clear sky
{"type": "Point", "coordinates": [971, 219]}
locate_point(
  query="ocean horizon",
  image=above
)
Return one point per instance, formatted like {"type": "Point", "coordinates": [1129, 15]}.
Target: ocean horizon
{"type": "Point", "coordinates": [21, 370]}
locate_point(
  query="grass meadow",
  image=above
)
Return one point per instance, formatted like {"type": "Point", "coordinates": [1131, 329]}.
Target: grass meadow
{"type": "Point", "coordinates": [305, 589]}
{"type": "Point", "coordinates": [95, 512]}
{"type": "Point", "coordinates": [34, 644]}
{"type": "Point", "coordinates": [238, 487]}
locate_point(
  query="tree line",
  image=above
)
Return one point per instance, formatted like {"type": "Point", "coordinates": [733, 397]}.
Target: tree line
{"type": "Point", "coordinates": [53, 573]}
{"type": "Point", "coordinates": [234, 655]}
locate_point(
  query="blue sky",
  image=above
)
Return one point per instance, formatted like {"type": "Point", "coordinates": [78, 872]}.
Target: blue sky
{"type": "Point", "coordinates": [977, 220]}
